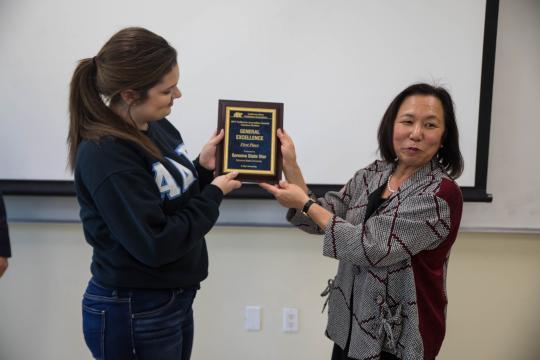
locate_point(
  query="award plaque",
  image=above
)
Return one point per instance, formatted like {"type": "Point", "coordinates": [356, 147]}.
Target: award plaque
{"type": "Point", "coordinates": [250, 146]}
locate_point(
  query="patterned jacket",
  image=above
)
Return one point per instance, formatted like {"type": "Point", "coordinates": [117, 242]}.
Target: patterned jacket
{"type": "Point", "coordinates": [393, 265]}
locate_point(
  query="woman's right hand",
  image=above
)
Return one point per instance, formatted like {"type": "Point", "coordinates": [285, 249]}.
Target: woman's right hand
{"type": "Point", "coordinates": [288, 195]}
{"type": "Point", "coordinates": [227, 183]}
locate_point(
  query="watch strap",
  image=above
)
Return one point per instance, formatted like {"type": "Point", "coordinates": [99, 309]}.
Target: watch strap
{"type": "Point", "coordinates": [307, 205]}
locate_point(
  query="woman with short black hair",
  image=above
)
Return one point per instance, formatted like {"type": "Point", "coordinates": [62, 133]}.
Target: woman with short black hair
{"type": "Point", "coordinates": [391, 227]}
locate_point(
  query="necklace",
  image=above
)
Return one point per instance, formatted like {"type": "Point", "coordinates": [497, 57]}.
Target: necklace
{"type": "Point", "coordinates": [388, 185]}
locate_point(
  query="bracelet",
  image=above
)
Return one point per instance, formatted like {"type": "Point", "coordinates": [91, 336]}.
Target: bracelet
{"type": "Point", "coordinates": [306, 207]}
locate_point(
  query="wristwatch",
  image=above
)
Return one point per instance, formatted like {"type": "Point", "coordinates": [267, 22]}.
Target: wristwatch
{"type": "Point", "coordinates": [307, 205]}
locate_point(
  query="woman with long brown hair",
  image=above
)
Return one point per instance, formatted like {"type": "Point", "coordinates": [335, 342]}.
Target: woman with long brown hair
{"type": "Point", "coordinates": [145, 207]}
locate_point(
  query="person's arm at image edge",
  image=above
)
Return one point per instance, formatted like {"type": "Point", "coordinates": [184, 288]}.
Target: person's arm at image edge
{"type": "Point", "coordinates": [5, 249]}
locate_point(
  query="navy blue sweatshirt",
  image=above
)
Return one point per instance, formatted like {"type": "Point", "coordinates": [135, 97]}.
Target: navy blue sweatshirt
{"type": "Point", "coordinates": [5, 249]}
{"type": "Point", "coordinates": [145, 219]}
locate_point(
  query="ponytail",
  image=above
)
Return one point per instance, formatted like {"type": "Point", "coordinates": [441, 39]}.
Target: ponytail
{"type": "Point", "coordinates": [90, 118]}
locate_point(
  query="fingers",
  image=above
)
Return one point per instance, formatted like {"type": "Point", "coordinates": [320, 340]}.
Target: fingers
{"type": "Point", "coordinates": [232, 175]}
{"type": "Point", "coordinates": [218, 132]}
{"type": "Point", "coordinates": [283, 184]}
{"type": "Point", "coordinates": [270, 188]}
{"type": "Point", "coordinates": [217, 137]}
{"type": "Point", "coordinates": [283, 135]}
{"type": "Point", "coordinates": [236, 184]}
{"type": "Point", "coordinates": [227, 182]}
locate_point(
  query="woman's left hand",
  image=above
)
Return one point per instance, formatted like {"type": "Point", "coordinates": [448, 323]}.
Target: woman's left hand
{"type": "Point", "coordinates": [207, 157]}
{"type": "Point", "coordinates": [288, 151]}
{"type": "Point", "coordinates": [288, 195]}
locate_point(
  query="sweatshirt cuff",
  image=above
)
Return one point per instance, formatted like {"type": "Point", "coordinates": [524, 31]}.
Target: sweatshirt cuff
{"type": "Point", "coordinates": [213, 193]}
{"type": "Point", "coordinates": [205, 176]}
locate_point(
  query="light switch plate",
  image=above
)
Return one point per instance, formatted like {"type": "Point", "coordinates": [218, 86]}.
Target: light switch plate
{"type": "Point", "coordinates": [252, 320]}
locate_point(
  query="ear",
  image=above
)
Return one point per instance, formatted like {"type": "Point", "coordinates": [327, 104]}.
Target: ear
{"type": "Point", "coordinates": [129, 96]}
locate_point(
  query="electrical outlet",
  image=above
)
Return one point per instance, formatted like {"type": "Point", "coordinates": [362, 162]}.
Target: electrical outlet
{"type": "Point", "coordinates": [290, 319]}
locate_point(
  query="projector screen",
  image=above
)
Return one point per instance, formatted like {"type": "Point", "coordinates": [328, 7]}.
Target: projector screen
{"type": "Point", "coordinates": [335, 65]}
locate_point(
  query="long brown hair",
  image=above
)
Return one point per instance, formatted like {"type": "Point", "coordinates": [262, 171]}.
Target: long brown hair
{"type": "Point", "coordinates": [133, 58]}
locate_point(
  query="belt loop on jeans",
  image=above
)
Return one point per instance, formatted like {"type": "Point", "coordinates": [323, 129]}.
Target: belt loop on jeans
{"type": "Point", "coordinates": [122, 293]}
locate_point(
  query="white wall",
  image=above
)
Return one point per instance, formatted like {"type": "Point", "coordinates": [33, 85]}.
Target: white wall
{"type": "Point", "coordinates": [493, 284]}
{"type": "Point", "coordinates": [515, 125]}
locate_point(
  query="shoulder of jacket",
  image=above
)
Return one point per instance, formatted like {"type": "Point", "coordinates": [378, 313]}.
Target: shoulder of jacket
{"type": "Point", "coordinates": [106, 148]}
{"type": "Point", "coordinates": [375, 168]}
{"type": "Point", "coordinates": [438, 184]}
{"type": "Point", "coordinates": [101, 158]}
{"type": "Point", "coordinates": [449, 190]}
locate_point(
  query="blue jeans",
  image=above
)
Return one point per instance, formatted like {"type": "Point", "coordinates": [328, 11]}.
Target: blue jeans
{"type": "Point", "coordinates": [138, 323]}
